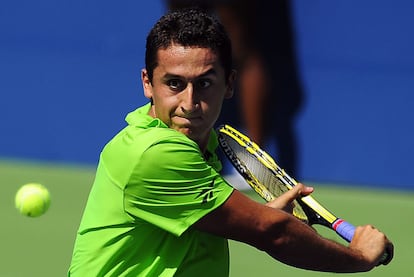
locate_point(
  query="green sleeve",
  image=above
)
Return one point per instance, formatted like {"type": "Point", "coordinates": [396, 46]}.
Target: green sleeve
{"type": "Point", "coordinates": [173, 186]}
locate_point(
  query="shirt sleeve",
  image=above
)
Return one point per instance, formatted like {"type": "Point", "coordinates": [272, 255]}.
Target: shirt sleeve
{"type": "Point", "coordinates": [173, 186]}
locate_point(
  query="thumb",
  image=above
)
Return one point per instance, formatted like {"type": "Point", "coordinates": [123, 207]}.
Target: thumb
{"type": "Point", "coordinates": [295, 192]}
{"type": "Point", "coordinates": [286, 198]}
{"type": "Point", "coordinates": [303, 190]}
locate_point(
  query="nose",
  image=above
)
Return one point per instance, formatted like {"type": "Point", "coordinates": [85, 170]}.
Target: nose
{"type": "Point", "coordinates": [189, 103]}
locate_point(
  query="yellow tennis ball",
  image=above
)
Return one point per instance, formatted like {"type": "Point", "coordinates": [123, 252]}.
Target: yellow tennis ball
{"type": "Point", "coordinates": [32, 200]}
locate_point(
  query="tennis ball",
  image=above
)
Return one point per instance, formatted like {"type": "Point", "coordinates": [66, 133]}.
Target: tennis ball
{"type": "Point", "coordinates": [32, 199]}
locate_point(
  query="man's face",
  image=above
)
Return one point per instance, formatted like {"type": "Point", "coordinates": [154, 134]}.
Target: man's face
{"type": "Point", "coordinates": [187, 90]}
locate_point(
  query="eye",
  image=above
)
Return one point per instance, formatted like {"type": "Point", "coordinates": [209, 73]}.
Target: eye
{"type": "Point", "coordinates": [176, 84]}
{"type": "Point", "coordinates": [204, 83]}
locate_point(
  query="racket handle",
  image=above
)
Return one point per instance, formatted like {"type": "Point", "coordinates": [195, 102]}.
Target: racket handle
{"type": "Point", "coordinates": [344, 229]}
{"type": "Point", "coordinates": [347, 230]}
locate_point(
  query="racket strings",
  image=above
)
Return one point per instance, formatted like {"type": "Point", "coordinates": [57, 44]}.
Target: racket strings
{"type": "Point", "coordinates": [263, 180]}
{"type": "Point", "coordinates": [260, 172]}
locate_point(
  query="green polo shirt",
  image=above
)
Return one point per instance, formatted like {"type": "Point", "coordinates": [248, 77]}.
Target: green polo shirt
{"type": "Point", "coordinates": [152, 184]}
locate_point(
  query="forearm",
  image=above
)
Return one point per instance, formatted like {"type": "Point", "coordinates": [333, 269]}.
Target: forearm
{"type": "Point", "coordinates": [289, 240]}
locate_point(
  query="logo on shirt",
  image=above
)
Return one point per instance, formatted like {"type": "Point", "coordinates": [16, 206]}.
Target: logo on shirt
{"type": "Point", "coordinates": [207, 193]}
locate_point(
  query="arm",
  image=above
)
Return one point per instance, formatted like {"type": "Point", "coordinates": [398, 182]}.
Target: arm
{"type": "Point", "coordinates": [290, 241]}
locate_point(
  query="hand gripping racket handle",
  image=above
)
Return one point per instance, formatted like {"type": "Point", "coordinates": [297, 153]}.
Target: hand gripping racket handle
{"type": "Point", "coordinates": [347, 230]}
{"type": "Point", "coordinates": [344, 229]}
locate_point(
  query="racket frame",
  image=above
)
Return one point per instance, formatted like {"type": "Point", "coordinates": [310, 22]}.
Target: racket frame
{"type": "Point", "coordinates": [315, 212]}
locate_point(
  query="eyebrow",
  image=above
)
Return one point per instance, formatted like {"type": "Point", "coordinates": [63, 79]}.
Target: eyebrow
{"type": "Point", "coordinates": [211, 71]}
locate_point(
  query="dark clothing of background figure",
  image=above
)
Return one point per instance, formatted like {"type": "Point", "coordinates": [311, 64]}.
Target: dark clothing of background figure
{"type": "Point", "coordinates": [262, 29]}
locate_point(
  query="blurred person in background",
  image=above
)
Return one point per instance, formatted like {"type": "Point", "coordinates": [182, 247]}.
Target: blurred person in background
{"type": "Point", "coordinates": [270, 93]}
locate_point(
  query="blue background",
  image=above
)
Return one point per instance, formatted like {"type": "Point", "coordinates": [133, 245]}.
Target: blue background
{"type": "Point", "coordinates": [69, 73]}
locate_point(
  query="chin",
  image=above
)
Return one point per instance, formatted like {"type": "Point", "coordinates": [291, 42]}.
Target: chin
{"type": "Point", "coordinates": [185, 130]}
{"type": "Point", "coordinates": [189, 132]}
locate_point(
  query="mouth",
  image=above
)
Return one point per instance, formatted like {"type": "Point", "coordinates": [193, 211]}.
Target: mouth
{"type": "Point", "coordinates": [188, 121]}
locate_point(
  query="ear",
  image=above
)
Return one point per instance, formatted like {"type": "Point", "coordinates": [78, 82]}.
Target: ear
{"type": "Point", "coordinates": [146, 84]}
{"type": "Point", "coordinates": [230, 84]}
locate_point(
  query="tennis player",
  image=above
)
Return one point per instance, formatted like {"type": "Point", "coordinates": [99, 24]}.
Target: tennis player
{"type": "Point", "coordinates": [159, 206]}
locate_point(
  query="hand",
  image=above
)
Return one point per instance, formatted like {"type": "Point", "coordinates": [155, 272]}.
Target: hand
{"type": "Point", "coordinates": [372, 244]}
{"type": "Point", "coordinates": [284, 202]}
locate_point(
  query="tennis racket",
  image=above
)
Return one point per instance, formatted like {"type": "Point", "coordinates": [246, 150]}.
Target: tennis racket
{"type": "Point", "coordinates": [270, 181]}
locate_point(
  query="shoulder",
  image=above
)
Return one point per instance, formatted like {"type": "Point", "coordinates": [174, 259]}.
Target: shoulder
{"type": "Point", "coordinates": [146, 138]}
{"type": "Point", "coordinates": [132, 142]}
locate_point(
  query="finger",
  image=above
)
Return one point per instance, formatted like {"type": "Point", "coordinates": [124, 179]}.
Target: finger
{"type": "Point", "coordinates": [299, 190]}
{"type": "Point", "coordinates": [305, 190]}
{"type": "Point", "coordinates": [284, 200]}
{"type": "Point", "coordinates": [292, 194]}
{"type": "Point", "coordinates": [389, 252]}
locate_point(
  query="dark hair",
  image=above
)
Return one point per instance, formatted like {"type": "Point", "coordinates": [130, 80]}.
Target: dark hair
{"type": "Point", "coordinates": [188, 27]}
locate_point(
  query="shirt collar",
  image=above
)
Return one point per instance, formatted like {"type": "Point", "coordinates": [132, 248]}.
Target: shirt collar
{"type": "Point", "coordinates": [140, 118]}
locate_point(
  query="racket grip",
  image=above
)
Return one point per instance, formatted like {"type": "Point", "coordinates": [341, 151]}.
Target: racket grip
{"type": "Point", "coordinates": [344, 229]}
{"type": "Point", "coordinates": [347, 231]}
